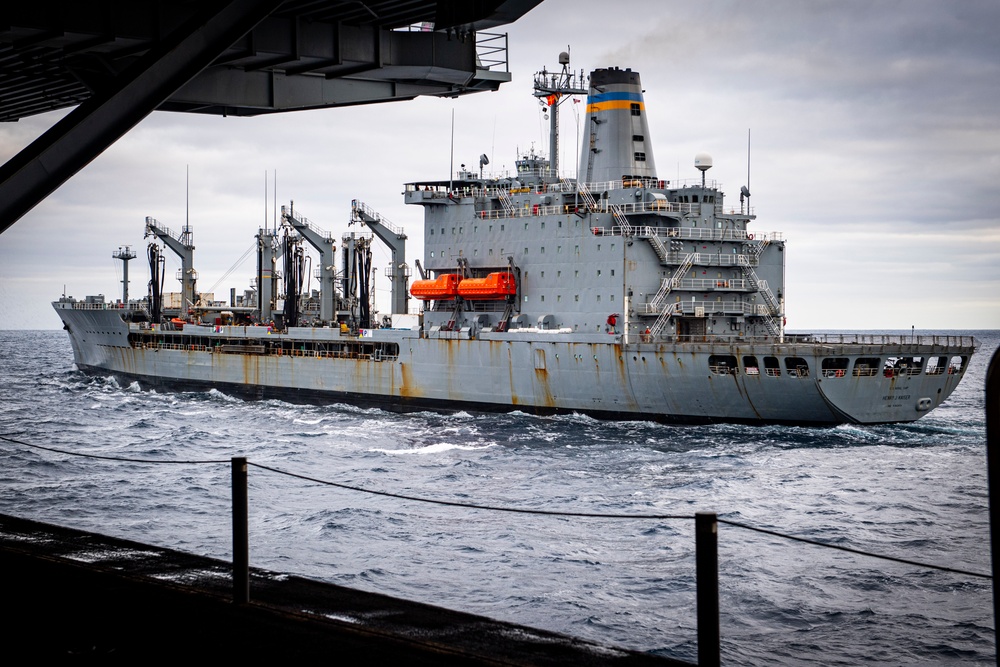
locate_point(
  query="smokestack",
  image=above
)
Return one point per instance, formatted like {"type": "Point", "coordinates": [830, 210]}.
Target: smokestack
{"type": "Point", "coordinates": [616, 144]}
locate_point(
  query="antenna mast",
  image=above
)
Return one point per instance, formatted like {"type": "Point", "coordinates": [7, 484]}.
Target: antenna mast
{"type": "Point", "coordinates": [124, 254]}
{"type": "Point", "coordinates": [550, 89]}
{"type": "Point", "coordinates": [745, 190]}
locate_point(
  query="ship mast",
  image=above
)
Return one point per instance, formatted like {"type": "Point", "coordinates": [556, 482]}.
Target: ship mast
{"type": "Point", "coordinates": [552, 88]}
{"type": "Point", "coordinates": [124, 254]}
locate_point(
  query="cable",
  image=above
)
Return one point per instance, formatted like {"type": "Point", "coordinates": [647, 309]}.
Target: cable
{"type": "Point", "coordinates": [105, 458]}
{"type": "Point", "coordinates": [852, 550]}
{"type": "Point", "coordinates": [492, 508]}
{"type": "Point", "coordinates": [519, 510]}
{"type": "Point", "coordinates": [591, 515]}
{"type": "Point", "coordinates": [235, 266]}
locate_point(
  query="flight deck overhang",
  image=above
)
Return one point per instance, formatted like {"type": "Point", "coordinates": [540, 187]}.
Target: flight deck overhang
{"type": "Point", "coordinates": [116, 61]}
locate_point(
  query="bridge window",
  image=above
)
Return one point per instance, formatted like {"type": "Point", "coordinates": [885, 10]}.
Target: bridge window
{"type": "Point", "coordinates": [635, 109]}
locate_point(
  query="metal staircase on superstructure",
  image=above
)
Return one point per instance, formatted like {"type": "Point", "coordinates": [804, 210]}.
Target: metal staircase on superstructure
{"type": "Point", "coordinates": [616, 210]}
{"type": "Point", "coordinates": [771, 309]}
{"type": "Point", "coordinates": [657, 305]}
{"type": "Point", "coordinates": [661, 322]}
{"type": "Point", "coordinates": [658, 247]}
{"type": "Point", "coordinates": [621, 219]}
{"type": "Point", "coordinates": [505, 201]}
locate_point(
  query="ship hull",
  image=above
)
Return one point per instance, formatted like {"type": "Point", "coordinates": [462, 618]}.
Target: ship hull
{"type": "Point", "coordinates": [537, 372]}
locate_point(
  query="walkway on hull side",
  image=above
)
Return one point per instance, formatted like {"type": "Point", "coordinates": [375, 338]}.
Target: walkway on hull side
{"type": "Point", "coordinates": [69, 593]}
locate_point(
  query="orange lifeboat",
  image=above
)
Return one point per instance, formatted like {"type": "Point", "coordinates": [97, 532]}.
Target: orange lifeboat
{"type": "Point", "coordinates": [442, 288]}
{"type": "Point", "coordinates": [493, 287]}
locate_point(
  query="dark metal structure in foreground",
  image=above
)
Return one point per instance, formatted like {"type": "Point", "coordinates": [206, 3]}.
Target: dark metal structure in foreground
{"type": "Point", "coordinates": [993, 472]}
{"type": "Point", "coordinates": [117, 61]}
{"type": "Point", "coordinates": [76, 596]}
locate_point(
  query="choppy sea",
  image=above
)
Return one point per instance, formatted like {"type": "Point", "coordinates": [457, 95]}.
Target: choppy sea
{"type": "Point", "coordinates": [916, 491]}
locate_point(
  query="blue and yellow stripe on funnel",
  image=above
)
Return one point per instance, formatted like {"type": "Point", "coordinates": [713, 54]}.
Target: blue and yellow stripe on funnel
{"type": "Point", "coordinates": [608, 101]}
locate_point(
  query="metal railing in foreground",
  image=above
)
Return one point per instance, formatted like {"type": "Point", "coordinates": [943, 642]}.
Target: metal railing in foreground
{"type": "Point", "coordinates": [706, 524]}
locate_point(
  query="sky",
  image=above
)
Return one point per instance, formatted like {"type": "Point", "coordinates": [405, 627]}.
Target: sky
{"type": "Point", "coordinates": [875, 150]}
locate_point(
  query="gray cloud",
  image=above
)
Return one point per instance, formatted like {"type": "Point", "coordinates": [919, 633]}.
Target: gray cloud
{"type": "Point", "coordinates": [875, 150]}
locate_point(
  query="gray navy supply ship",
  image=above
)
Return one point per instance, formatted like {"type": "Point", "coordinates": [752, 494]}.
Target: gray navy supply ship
{"type": "Point", "coordinates": [618, 295]}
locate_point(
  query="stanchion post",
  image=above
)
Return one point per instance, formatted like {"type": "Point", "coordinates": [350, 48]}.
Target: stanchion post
{"type": "Point", "coordinates": [993, 471]}
{"type": "Point", "coordinates": [706, 541]}
{"type": "Point", "coordinates": [241, 533]}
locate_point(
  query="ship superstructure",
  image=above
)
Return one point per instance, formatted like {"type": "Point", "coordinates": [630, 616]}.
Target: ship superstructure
{"type": "Point", "coordinates": [629, 253]}
{"type": "Point", "coordinates": [618, 294]}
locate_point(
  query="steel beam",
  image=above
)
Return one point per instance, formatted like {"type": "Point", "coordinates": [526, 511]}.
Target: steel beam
{"type": "Point", "coordinates": [993, 472]}
{"type": "Point", "coordinates": [81, 136]}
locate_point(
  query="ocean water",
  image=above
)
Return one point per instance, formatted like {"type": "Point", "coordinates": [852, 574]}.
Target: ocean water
{"type": "Point", "coordinates": [916, 491]}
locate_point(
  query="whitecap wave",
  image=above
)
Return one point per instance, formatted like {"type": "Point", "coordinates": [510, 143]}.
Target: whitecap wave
{"type": "Point", "coordinates": [436, 448]}
{"type": "Point", "coordinates": [217, 395]}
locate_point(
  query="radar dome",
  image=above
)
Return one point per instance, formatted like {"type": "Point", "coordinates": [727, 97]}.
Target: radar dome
{"type": "Point", "coordinates": [564, 58]}
{"type": "Point", "coordinates": [703, 161]}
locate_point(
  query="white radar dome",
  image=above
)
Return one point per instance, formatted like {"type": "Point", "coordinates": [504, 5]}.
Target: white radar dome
{"type": "Point", "coordinates": [703, 161]}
